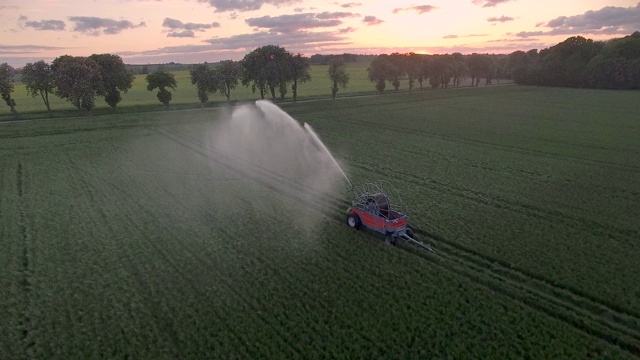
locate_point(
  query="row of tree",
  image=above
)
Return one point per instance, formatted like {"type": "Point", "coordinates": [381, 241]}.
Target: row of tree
{"type": "Point", "coordinates": [267, 69]}
{"type": "Point", "coordinates": [74, 78]}
{"type": "Point", "coordinates": [575, 62]}
{"type": "Point", "coordinates": [580, 62]}
{"type": "Point", "coordinates": [81, 80]}
{"type": "Point", "coordinates": [440, 70]}
{"type": "Point", "coordinates": [320, 59]}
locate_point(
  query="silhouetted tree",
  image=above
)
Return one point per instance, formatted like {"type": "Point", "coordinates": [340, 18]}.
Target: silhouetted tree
{"type": "Point", "coordinates": [300, 66]}
{"type": "Point", "coordinates": [338, 76]}
{"type": "Point", "coordinates": [161, 80]}
{"type": "Point", "coordinates": [617, 66]}
{"type": "Point", "coordinates": [399, 69]}
{"type": "Point", "coordinates": [479, 66]}
{"type": "Point", "coordinates": [380, 70]}
{"type": "Point", "coordinates": [565, 64]}
{"type": "Point", "coordinates": [78, 80]}
{"type": "Point", "coordinates": [266, 67]}
{"type": "Point", "coordinates": [205, 81]}
{"type": "Point", "coordinates": [115, 77]}
{"type": "Point", "coordinates": [227, 75]}
{"type": "Point", "coordinates": [38, 80]}
{"type": "Point", "coordinates": [425, 70]}
{"type": "Point", "coordinates": [458, 67]}
{"type": "Point", "coordinates": [6, 87]}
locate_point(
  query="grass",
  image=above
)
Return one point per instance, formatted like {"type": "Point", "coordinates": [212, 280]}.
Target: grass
{"type": "Point", "coordinates": [128, 235]}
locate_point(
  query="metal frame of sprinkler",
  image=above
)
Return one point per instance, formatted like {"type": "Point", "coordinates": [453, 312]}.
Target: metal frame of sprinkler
{"type": "Point", "coordinates": [368, 198]}
{"type": "Point", "coordinates": [378, 211]}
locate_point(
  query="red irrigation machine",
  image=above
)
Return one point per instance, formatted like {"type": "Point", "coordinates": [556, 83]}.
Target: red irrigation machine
{"type": "Point", "coordinates": [378, 207]}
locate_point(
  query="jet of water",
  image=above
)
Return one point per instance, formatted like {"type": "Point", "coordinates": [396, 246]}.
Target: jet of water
{"type": "Point", "coordinates": [319, 142]}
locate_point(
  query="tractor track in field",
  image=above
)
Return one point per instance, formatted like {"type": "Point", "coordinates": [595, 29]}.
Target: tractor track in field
{"type": "Point", "coordinates": [583, 312]}
{"type": "Point", "coordinates": [25, 321]}
{"type": "Point", "coordinates": [540, 297]}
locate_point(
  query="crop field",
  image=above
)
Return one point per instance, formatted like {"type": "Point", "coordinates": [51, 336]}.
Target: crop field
{"type": "Point", "coordinates": [134, 236]}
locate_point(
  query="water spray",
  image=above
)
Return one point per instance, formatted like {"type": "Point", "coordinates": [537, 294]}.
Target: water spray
{"type": "Point", "coordinates": [324, 148]}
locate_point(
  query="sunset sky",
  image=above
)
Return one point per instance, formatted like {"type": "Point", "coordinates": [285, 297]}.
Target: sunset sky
{"type": "Point", "coordinates": [194, 31]}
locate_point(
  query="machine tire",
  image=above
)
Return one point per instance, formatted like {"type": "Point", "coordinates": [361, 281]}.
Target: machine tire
{"type": "Point", "coordinates": [409, 232]}
{"type": "Point", "coordinates": [353, 221]}
{"type": "Point", "coordinates": [390, 240]}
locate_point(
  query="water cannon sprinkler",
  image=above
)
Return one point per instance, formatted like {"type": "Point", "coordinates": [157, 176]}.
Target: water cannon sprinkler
{"type": "Point", "coordinates": [324, 148]}
{"type": "Point", "coordinates": [378, 207]}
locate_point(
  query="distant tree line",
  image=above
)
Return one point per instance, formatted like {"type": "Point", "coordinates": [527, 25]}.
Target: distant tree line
{"type": "Point", "coordinates": [582, 63]}
{"type": "Point", "coordinates": [441, 71]}
{"type": "Point", "coordinates": [271, 71]}
{"type": "Point", "coordinates": [575, 62]}
{"type": "Point", "coordinates": [145, 69]}
{"type": "Point", "coordinates": [319, 59]}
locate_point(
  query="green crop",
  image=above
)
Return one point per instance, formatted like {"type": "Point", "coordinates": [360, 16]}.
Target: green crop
{"type": "Point", "coordinates": [129, 235]}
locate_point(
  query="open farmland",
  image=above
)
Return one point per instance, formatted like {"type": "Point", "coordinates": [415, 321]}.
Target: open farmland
{"type": "Point", "coordinates": [131, 235]}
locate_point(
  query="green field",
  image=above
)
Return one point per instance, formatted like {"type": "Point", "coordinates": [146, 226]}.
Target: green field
{"type": "Point", "coordinates": [185, 96]}
{"type": "Point", "coordinates": [132, 236]}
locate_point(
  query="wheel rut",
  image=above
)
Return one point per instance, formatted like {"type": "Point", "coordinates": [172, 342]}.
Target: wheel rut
{"type": "Point", "coordinates": [25, 325]}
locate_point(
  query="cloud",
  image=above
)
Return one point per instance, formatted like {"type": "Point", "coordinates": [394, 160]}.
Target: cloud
{"type": "Point", "coordinates": [489, 3]}
{"type": "Point", "coordinates": [284, 30]}
{"type": "Point", "coordinates": [8, 7]}
{"type": "Point", "coordinates": [372, 20]}
{"type": "Point", "coordinates": [95, 26]}
{"type": "Point", "coordinates": [181, 49]}
{"type": "Point", "coordinates": [182, 34]}
{"type": "Point", "coordinates": [296, 39]}
{"type": "Point", "coordinates": [245, 5]}
{"type": "Point", "coordinates": [26, 49]}
{"type": "Point", "coordinates": [177, 24]}
{"type": "Point", "coordinates": [348, 5]}
{"type": "Point", "coordinates": [299, 41]}
{"type": "Point", "coordinates": [334, 15]}
{"type": "Point", "coordinates": [512, 40]}
{"type": "Point", "coordinates": [490, 48]}
{"type": "Point", "coordinates": [296, 22]}
{"type": "Point", "coordinates": [500, 19]}
{"type": "Point", "coordinates": [463, 36]}
{"type": "Point", "coordinates": [55, 25]}
{"type": "Point", "coordinates": [347, 30]}
{"type": "Point", "coordinates": [420, 9]}
{"type": "Point", "coordinates": [609, 20]}
{"type": "Point", "coordinates": [527, 34]}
